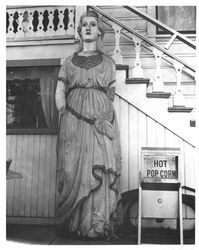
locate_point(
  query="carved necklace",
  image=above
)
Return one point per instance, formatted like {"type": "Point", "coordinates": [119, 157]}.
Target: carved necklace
{"type": "Point", "coordinates": [87, 62]}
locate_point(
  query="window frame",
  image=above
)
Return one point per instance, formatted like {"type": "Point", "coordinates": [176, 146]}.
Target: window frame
{"type": "Point", "coordinates": [55, 63]}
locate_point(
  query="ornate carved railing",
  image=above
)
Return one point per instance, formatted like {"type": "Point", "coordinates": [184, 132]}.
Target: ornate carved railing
{"type": "Point", "coordinates": [159, 53]}
{"type": "Point", "coordinates": [40, 22]}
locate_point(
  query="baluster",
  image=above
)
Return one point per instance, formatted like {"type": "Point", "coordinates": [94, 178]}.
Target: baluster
{"type": "Point", "coordinates": [158, 85]}
{"type": "Point", "coordinates": [25, 22]}
{"type": "Point", "coordinates": [60, 27]}
{"type": "Point", "coordinates": [45, 21]}
{"type": "Point", "coordinates": [178, 99]}
{"type": "Point", "coordinates": [137, 68]}
{"type": "Point", "coordinates": [10, 33]}
{"type": "Point", "coordinates": [117, 52]}
{"type": "Point", "coordinates": [71, 24]}
{"type": "Point", "coordinates": [29, 23]}
{"type": "Point", "coordinates": [40, 31]}
{"type": "Point", "coordinates": [20, 32]}
{"type": "Point", "coordinates": [50, 29]}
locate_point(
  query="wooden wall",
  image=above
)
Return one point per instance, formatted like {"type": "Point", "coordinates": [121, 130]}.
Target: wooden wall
{"type": "Point", "coordinates": [140, 130]}
{"type": "Point", "coordinates": [34, 156]}
{"type": "Point", "coordinates": [127, 17]}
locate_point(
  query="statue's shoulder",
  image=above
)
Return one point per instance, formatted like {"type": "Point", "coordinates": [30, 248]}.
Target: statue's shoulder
{"type": "Point", "coordinates": [109, 58]}
{"type": "Point", "coordinates": [68, 58]}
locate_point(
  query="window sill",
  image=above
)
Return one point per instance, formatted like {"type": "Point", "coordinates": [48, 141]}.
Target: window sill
{"type": "Point", "coordinates": [31, 132]}
{"type": "Point", "coordinates": [40, 41]}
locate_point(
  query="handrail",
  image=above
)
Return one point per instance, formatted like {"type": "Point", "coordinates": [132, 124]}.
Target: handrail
{"type": "Point", "coordinates": [190, 73]}
{"type": "Point", "coordinates": [155, 22]}
{"type": "Point", "coordinates": [132, 31]}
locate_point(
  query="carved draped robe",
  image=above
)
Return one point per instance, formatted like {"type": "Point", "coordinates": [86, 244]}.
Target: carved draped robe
{"type": "Point", "coordinates": [88, 147]}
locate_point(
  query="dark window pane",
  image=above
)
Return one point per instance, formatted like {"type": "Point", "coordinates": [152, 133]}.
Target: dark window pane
{"type": "Point", "coordinates": [180, 18]}
{"type": "Point", "coordinates": [24, 104]}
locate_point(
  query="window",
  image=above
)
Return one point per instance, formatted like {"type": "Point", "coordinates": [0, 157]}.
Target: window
{"type": "Point", "coordinates": [30, 106]}
{"type": "Point", "coordinates": [180, 18]}
{"type": "Point", "coordinates": [24, 104]}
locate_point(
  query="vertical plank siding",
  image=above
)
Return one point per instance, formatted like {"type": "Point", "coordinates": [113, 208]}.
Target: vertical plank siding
{"type": "Point", "coordinates": [52, 179]}
{"type": "Point", "coordinates": [34, 156]}
{"type": "Point", "coordinates": [40, 177]}
{"type": "Point", "coordinates": [124, 143]}
{"type": "Point", "coordinates": [11, 152]}
{"type": "Point", "coordinates": [29, 174]}
{"type": "Point", "coordinates": [132, 154]}
{"type": "Point", "coordinates": [18, 168]}
{"type": "Point", "coordinates": [144, 131]}
{"type": "Point", "coordinates": [35, 173]}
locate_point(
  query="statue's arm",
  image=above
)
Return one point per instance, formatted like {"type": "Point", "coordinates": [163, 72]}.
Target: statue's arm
{"type": "Point", "coordinates": [112, 84]}
{"type": "Point", "coordinates": [60, 96]}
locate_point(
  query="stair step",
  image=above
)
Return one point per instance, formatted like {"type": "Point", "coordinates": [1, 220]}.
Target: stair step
{"type": "Point", "coordinates": [158, 94]}
{"type": "Point", "coordinates": [180, 109]}
{"type": "Point", "coordinates": [137, 81]}
{"type": "Point", "coordinates": [123, 67]}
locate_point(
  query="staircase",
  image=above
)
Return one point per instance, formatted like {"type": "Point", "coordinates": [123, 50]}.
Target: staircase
{"type": "Point", "coordinates": [162, 69]}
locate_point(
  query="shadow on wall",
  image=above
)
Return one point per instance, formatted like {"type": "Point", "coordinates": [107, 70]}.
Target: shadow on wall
{"type": "Point", "coordinates": [11, 174]}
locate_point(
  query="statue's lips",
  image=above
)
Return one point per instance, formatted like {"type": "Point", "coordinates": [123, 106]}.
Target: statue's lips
{"type": "Point", "coordinates": [88, 33]}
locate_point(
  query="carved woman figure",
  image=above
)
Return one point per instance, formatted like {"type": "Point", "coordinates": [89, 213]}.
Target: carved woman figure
{"type": "Point", "coordinates": [88, 146]}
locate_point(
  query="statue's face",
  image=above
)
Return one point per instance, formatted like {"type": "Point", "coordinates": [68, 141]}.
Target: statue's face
{"type": "Point", "coordinates": [89, 29]}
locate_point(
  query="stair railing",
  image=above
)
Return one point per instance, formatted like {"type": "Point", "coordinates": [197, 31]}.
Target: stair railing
{"type": "Point", "coordinates": [158, 51]}
{"type": "Point", "coordinates": [157, 23]}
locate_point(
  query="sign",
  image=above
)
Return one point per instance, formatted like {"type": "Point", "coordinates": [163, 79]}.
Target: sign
{"type": "Point", "coordinates": [160, 167]}
{"type": "Point", "coordinates": [160, 164]}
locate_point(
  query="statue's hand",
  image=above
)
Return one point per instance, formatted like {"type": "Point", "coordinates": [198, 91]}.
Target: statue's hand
{"type": "Point", "coordinates": [111, 93]}
{"type": "Point", "coordinates": [62, 110]}
{"type": "Point", "coordinates": [103, 124]}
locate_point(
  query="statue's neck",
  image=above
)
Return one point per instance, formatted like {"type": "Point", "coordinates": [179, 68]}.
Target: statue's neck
{"type": "Point", "coordinates": [87, 47]}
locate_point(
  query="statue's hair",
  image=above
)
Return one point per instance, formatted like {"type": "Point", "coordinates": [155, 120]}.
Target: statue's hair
{"type": "Point", "coordinates": [99, 45]}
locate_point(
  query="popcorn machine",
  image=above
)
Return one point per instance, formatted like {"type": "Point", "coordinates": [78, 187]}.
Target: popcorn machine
{"type": "Point", "coordinates": [160, 195]}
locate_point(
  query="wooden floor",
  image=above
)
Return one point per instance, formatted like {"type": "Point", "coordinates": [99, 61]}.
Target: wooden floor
{"type": "Point", "coordinates": [47, 235]}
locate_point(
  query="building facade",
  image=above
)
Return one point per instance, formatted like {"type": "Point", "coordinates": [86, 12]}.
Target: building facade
{"type": "Point", "coordinates": [155, 97]}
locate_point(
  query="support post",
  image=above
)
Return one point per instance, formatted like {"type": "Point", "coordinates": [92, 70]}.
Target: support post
{"type": "Point", "coordinates": [137, 68]}
{"type": "Point", "coordinates": [178, 99]}
{"type": "Point", "coordinates": [158, 85]}
{"type": "Point", "coordinates": [117, 52]}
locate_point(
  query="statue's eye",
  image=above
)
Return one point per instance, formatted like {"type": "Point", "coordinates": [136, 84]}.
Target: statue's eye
{"type": "Point", "coordinates": [84, 24]}
{"type": "Point", "coordinates": [93, 24]}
